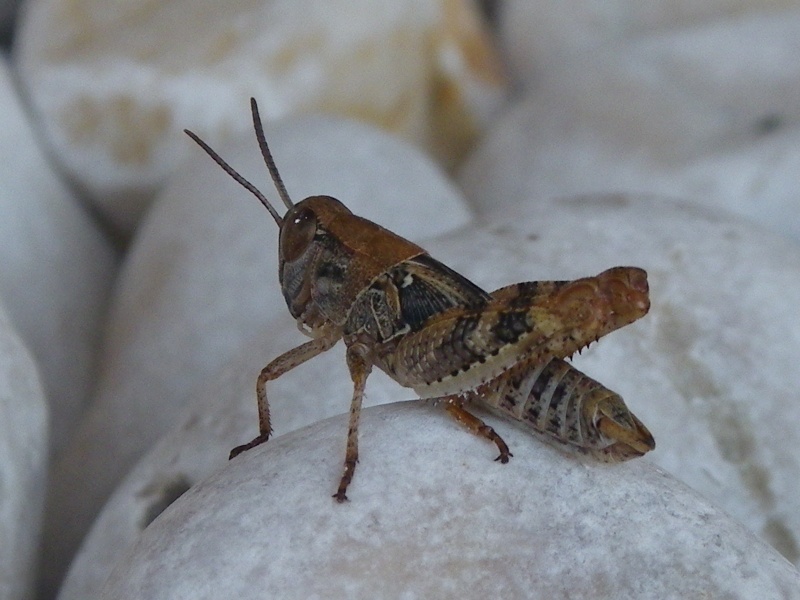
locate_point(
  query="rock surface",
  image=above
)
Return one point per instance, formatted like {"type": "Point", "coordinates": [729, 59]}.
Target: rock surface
{"type": "Point", "coordinates": [222, 416]}
{"type": "Point", "coordinates": [692, 114]}
{"type": "Point", "coordinates": [710, 369]}
{"type": "Point", "coordinates": [723, 297]}
{"type": "Point", "coordinates": [201, 277]}
{"type": "Point", "coordinates": [57, 266]}
{"type": "Point", "coordinates": [539, 37]}
{"type": "Point", "coordinates": [114, 84]}
{"type": "Point", "coordinates": [430, 515]}
{"type": "Point", "coordinates": [23, 464]}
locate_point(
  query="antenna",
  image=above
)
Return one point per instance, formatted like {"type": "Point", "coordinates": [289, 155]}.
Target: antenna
{"type": "Point", "coordinates": [262, 143]}
{"type": "Point", "coordinates": [265, 152]}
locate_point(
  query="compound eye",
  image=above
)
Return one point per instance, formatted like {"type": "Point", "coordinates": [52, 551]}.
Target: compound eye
{"type": "Point", "coordinates": [297, 233]}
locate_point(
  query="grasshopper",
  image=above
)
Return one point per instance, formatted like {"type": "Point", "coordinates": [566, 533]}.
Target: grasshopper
{"type": "Point", "coordinates": [434, 331]}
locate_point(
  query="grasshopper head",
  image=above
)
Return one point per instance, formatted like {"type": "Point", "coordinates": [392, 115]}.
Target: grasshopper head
{"type": "Point", "coordinates": [304, 221]}
{"type": "Point", "coordinates": [308, 255]}
{"type": "Point", "coordinates": [300, 226]}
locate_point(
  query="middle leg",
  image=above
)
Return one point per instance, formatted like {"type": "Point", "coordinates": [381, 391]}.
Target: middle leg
{"type": "Point", "coordinates": [360, 368]}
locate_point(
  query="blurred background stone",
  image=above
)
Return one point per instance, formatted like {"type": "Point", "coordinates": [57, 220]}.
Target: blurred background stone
{"type": "Point", "coordinates": [114, 84]}
{"type": "Point", "coordinates": [23, 464]}
{"type": "Point", "coordinates": [8, 11]}
{"type": "Point", "coordinates": [540, 36]}
{"type": "Point", "coordinates": [431, 516]}
{"type": "Point", "coordinates": [57, 266]}
{"type": "Point", "coordinates": [710, 114]}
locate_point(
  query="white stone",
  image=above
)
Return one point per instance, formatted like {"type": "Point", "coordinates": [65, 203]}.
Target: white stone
{"type": "Point", "coordinates": [115, 83]}
{"type": "Point", "coordinates": [432, 516]}
{"type": "Point", "coordinates": [538, 36]}
{"type": "Point", "coordinates": [223, 416]}
{"type": "Point", "coordinates": [709, 370]}
{"type": "Point", "coordinates": [201, 278]}
{"type": "Point", "coordinates": [57, 266]}
{"type": "Point", "coordinates": [693, 114]}
{"type": "Point", "coordinates": [23, 464]}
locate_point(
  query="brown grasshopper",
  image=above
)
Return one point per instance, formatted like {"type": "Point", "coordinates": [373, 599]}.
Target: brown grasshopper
{"type": "Point", "coordinates": [433, 330]}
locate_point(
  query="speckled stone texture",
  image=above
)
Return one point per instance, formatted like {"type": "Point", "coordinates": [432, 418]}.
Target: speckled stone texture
{"type": "Point", "coordinates": [432, 516]}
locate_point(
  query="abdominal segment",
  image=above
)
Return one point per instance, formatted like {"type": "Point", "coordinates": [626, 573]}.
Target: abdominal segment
{"type": "Point", "coordinates": [567, 407]}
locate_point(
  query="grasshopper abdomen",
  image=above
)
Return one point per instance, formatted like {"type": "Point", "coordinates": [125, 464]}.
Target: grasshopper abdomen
{"type": "Point", "coordinates": [569, 409]}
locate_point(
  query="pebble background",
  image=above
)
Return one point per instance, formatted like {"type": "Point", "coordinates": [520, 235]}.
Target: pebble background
{"type": "Point", "coordinates": [515, 140]}
{"type": "Point", "coordinates": [23, 463]}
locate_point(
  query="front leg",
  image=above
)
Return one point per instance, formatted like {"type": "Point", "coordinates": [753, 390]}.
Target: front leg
{"type": "Point", "coordinates": [283, 364]}
{"type": "Point", "coordinates": [360, 367]}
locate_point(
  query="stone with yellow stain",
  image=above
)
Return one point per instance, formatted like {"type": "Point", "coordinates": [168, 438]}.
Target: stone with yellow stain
{"type": "Point", "coordinates": [115, 83]}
